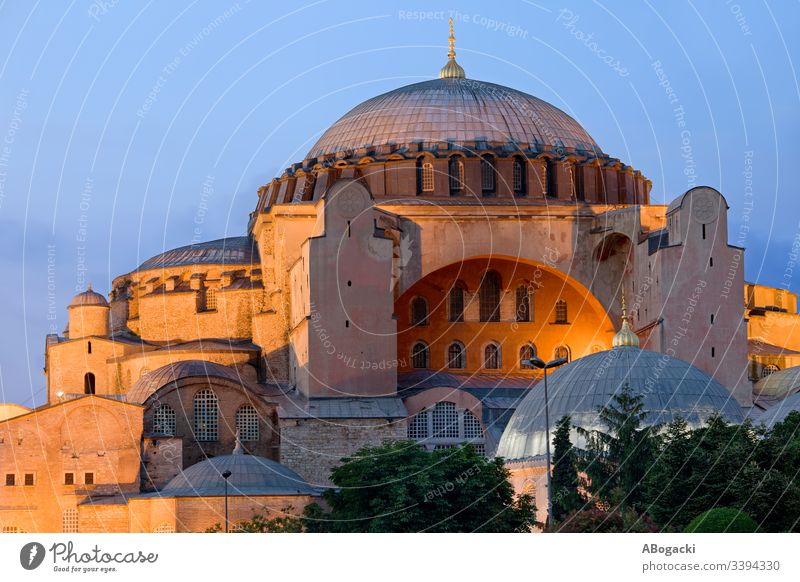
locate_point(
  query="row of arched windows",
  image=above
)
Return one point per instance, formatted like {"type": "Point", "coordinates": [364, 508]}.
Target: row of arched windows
{"type": "Point", "coordinates": [492, 355]}
{"type": "Point", "coordinates": [444, 425]}
{"type": "Point", "coordinates": [206, 419]}
{"type": "Point", "coordinates": [455, 171]}
{"type": "Point", "coordinates": [489, 295]}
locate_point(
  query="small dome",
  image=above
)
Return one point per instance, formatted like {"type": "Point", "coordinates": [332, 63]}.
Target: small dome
{"type": "Point", "coordinates": [88, 297]}
{"type": "Point", "coordinates": [779, 411]}
{"type": "Point", "coordinates": [153, 381]}
{"type": "Point", "coordinates": [777, 386]}
{"type": "Point", "coordinates": [250, 475]}
{"type": "Point", "coordinates": [671, 387]}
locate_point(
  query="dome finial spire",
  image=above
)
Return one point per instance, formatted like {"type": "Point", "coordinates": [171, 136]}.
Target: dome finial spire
{"type": "Point", "coordinates": [452, 70]}
{"type": "Point", "coordinates": [625, 336]}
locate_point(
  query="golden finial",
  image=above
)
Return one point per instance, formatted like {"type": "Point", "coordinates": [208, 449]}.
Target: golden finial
{"type": "Point", "coordinates": [625, 336]}
{"type": "Point", "coordinates": [452, 70]}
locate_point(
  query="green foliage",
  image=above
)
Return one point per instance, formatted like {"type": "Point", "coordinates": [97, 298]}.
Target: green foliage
{"type": "Point", "coordinates": [399, 487]}
{"type": "Point", "coordinates": [594, 519]}
{"type": "Point", "coordinates": [722, 520]}
{"type": "Point", "coordinates": [618, 458]}
{"type": "Point", "coordinates": [286, 523]}
{"type": "Point", "coordinates": [566, 497]}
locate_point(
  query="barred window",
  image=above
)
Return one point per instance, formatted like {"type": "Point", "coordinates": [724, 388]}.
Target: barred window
{"type": "Point", "coordinates": [206, 416]}
{"type": "Point", "coordinates": [419, 311]}
{"type": "Point", "coordinates": [561, 311]}
{"type": "Point", "coordinates": [419, 355]}
{"type": "Point", "coordinates": [562, 352]}
{"type": "Point", "coordinates": [472, 426]}
{"type": "Point", "coordinates": [487, 175]}
{"type": "Point", "coordinates": [164, 528]}
{"type": "Point", "coordinates": [769, 369]}
{"type": "Point", "coordinates": [490, 297]}
{"type": "Point", "coordinates": [427, 177]}
{"type": "Point", "coordinates": [491, 357]}
{"type": "Point", "coordinates": [520, 178]}
{"type": "Point", "coordinates": [456, 301]}
{"type": "Point", "coordinates": [69, 478]}
{"type": "Point", "coordinates": [164, 419]}
{"type": "Point", "coordinates": [523, 304]}
{"type": "Point", "coordinates": [210, 303]}
{"type": "Point", "coordinates": [29, 479]}
{"type": "Point", "coordinates": [69, 521]}
{"type": "Point", "coordinates": [418, 426]}
{"type": "Point", "coordinates": [445, 420]}
{"type": "Point", "coordinates": [88, 478]}
{"type": "Point", "coordinates": [456, 356]}
{"type": "Point", "coordinates": [247, 423]}
{"type": "Point", "coordinates": [526, 352]}
{"type": "Point", "coordinates": [455, 170]}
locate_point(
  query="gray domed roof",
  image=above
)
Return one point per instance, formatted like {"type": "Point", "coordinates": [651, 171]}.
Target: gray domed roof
{"type": "Point", "coordinates": [160, 377]}
{"type": "Point", "coordinates": [236, 250]}
{"type": "Point", "coordinates": [457, 110]}
{"type": "Point", "coordinates": [88, 297]}
{"type": "Point", "coordinates": [777, 385]}
{"type": "Point", "coordinates": [250, 475]}
{"type": "Point", "coordinates": [671, 387]}
{"type": "Point", "coordinates": [779, 411]}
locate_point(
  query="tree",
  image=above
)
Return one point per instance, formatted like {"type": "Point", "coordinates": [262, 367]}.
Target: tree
{"type": "Point", "coordinates": [400, 487]}
{"type": "Point", "coordinates": [722, 520]}
{"type": "Point", "coordinates": [566, 497]}
{"type": "Point", "coordinates": [593, 519]}
{"type": "Point", "coordinates": [619, 457]}
{"type": "Point", "coordinates": [286, 523]}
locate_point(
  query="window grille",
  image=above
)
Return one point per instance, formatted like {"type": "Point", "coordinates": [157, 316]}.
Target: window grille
{"type": "Point", "coordinates": [206, 416]}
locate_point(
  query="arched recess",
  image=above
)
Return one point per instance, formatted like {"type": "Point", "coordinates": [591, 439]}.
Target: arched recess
{"type": "Point", "coordinates": [612, 268]}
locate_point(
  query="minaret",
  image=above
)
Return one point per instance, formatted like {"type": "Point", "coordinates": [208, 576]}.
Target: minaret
{"type": "Point", "coordinates": [452, 70]}
{"type": "Point", "coordinates": [625, 337]}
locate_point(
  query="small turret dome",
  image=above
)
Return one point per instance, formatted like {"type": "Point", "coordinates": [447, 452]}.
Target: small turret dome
{"type": "Point", "coordinates": [88, 297]}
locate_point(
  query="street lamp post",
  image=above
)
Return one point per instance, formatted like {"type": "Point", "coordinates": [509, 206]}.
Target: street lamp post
{"type": "Point", "coordinates": [225, 476]}
{"type": "Point", "coordinates": [542, 365]}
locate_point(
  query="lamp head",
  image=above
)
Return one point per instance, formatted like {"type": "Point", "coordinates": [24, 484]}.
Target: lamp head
{"type": "Point", "coordinates": [556, 363]}
{"type": "Point", "coordinates": [226, 474]}
{"type": "Point", "coordinates": [535, 362]}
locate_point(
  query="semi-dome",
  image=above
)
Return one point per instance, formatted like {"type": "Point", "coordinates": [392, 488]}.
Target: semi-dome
{"type": "Point", "coordinates": [777, 386]}
{"type": "Point", "coordinates": [671, 387]}
{"type": "Point", "coordinates": [153, 381]}
{"type": "Point", "coordinates": [88, 297]}
{"type": "Point", "coordinates": [779, 411]}
{"type": "Point", "coordinates": [457, 110]}
{"type": "Point", "coordinates": [233, 250]}
{"type": "Point", "coordinates": [250, 475]}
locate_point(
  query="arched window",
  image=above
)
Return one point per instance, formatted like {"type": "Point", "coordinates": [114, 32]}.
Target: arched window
{"type": "Point", "coordinates": [523, 303]}
{"type": "Point", "coordinates": [769, 369]}
{"type": "Point", "coordinates": [520, 176]}
{"type": "Point", "coordinates": [526, 352]}
{"type": "Point", "coordinates": [488, 178]}
{"type": "Point", "coordinates": [445, 420]}
{"type": "Point", "coordinates": [209, 299]}
{"type": "Point", "coordinates": [247, 423]}
{"type": "Point", "coordinates": [573, 181]}
{"type": "Point", "coordinates": [455, 171]}
{"type": "Point", "coordinates": [456, 302]}
{"type": "Point", "coordinates": [580, 193]}
{"type": "Point", "coordinates": [164, 527]}
{"type": "Point", "coordinates": [88, 347]}
{"type": "Point", "coordinates": [562, 352]}
{"type": "Point", "coordinates": [424, 176]}
{"type": "Point", "coordinates": [206, 416]}
{"type": "Point", "coordinates": [472, 426]}
{"type": "Point", "coordinates": [550, 179]}
{"type": "Point", "coordinates": [88, 383]}
{"type": "Point", "coordinates": [491, 357]}
{"type": "Point", "coordinates": [490, 297]}
{"type": "Point", "coordinates": [69, 521]}
{"type": "Point", "coordinates": [446, 426]}
{"type": "Point", "coordinates": [419, 311]}
{"type": "Point", "coordinates": [419, 355]}
{"type": "Point", "coordinates": [456, 356]}
{"type": "Point", "coordinates": [163, 419]}
{"type": "Point", "coordinates": [561, 311]}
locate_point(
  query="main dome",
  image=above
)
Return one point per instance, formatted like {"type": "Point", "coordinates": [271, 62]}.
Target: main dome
{"type": "Point", "coordinates": [671, 388]}
{"type": "Point", "coordinates": [455, 110]}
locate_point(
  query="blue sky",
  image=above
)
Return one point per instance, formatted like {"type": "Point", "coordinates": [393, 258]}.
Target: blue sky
{"type": "Point", "coordinates": [131, 127]}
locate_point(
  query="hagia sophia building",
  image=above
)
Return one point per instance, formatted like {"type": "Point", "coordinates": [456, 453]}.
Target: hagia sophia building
{"type": "Point", "coordinates": [393, 284]}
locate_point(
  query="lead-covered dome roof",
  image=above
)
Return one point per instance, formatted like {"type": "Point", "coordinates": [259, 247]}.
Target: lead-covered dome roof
{"type": "Point", "coordinates": [671, 387]}
{"type": "Point", "coordinates": [454, 110]}
{"type": "Point", "coordinates": [88, 297]}
{"type": "Point", "coordinates": [250, 475]}
{"type": "Point", "coordinates": [777, 386]}
{"type": "Point", "coordinates": [152, 382]}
